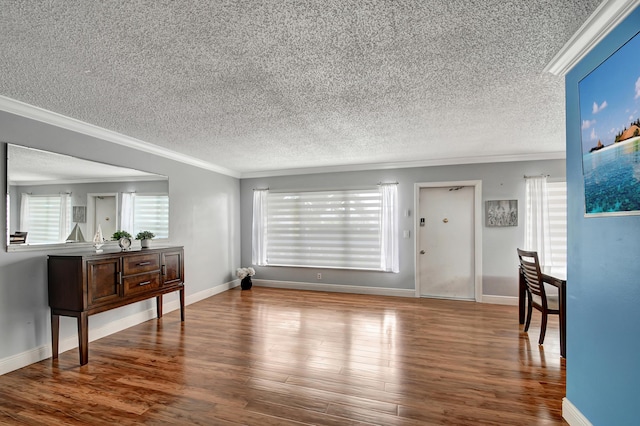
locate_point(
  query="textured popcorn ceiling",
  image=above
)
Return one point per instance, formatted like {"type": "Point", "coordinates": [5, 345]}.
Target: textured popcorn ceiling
{"type": "Point", "coordinates": [274, 84]}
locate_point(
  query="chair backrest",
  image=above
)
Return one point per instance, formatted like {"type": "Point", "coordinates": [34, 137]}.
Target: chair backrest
{"type": "Point", "coordinates": [530, 269]}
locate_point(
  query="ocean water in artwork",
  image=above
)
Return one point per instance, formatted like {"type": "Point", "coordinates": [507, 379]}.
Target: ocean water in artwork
{"type": "Point", "coordinates": [612, 178]}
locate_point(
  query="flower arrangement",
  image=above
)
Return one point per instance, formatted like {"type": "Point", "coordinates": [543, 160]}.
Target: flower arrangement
{"type": "Point", "coordinates": [245, 272]}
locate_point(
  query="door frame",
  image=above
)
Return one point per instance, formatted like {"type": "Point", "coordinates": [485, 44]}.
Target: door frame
{"type": "Point", "coordinates": [477, 226]}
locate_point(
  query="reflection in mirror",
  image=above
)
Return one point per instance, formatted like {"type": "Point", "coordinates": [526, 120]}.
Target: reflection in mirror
{"type": "Point", "coordinates": [59, 200]}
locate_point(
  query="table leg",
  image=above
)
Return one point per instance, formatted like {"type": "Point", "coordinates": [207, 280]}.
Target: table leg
{"type": "Point", "coordinates": [182, 304]}
{"type": "Point", "coordinates": [55, 334]}
{"type": "Point", "coordinates": [562, 300]}
{"type": "Point", "coordinates": [159, 305]}
{"type": "Point", "coordinates": [83, 337]}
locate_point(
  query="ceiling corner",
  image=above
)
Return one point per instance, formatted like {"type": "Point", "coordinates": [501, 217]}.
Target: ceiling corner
{"type": "Point", "coordinates": [605, 18]}
{"type": "Point", "coordinates": [32, 112]}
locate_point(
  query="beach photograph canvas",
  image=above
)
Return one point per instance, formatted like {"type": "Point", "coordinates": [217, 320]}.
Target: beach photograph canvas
{"type": "Point", "coordinates": [610, 119]}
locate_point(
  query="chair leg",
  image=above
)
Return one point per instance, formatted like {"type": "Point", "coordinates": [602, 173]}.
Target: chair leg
{"type": "Point", "coordinates": [529, 312]}
{"type": "Point", "coordinates": [543, 328]}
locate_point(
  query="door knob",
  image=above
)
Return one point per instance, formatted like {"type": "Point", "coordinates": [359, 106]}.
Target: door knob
{"type": "Point", "coordinates": [422, 252]}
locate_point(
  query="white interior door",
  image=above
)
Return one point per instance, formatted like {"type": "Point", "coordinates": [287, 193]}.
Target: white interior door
{"type": "Point", "coordinates": [446, 258]}
{"type": "Point", "coordinates": [105, 216]}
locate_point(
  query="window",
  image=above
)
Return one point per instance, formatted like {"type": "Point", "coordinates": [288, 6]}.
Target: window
{"type": "Point", "coordinates": [46, 218]}
{"type": "Point", "coordinates": [557, 195]}
{"type": "Point", "coordinates": [546, 220]}
{"type": "Point", "coordinates": [355, 229]}
{"type": "Point", "coordinates": [151, 213]}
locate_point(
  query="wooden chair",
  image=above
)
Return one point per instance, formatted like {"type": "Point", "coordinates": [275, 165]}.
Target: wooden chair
{"type": "Point", "coordinates": [537, 295]}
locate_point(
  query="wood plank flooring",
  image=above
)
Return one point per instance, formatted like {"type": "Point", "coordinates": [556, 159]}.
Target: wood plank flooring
{"type": "Point", "coordinates": [287, 357]}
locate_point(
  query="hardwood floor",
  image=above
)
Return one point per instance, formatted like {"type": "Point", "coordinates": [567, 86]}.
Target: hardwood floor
{"type": "Point", "coordinates": [285, 357]}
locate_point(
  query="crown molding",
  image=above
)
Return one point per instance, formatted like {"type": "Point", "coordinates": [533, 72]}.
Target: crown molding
{"type": "Point", "coordinates": [601, 22]}
{"type": "Point", "coordinates": [32, 112]}
{"type": "Point", "coordinates": [87, 180]}
{"type": "Point", "coordinates": [48, 117]}
{"type": "Point", "coordinates": [555, 155]}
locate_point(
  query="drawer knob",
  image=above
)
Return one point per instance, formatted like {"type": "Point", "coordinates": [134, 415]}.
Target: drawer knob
{"type": "Point", "coordinates": [145, 283]}
{"type": "Point", "coordinates": [143, 263]}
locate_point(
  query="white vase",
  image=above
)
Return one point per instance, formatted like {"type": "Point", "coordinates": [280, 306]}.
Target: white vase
{"type": "Point", "coordinates": [145, 243]}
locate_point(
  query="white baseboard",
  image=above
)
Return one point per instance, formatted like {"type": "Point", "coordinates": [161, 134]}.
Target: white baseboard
{"type": "Point", "coordinates": [34, 355]}
{"type": "Point", "coordinates": [500, 300]}
{"type": "Point", "coordinates": [23, 359]}
{"type": "Point", "coordinates": [336, 288]}
{"type": "Point", "coordinates": [572, 415]}
{"type": "Point", "coordinates": [205, 294]}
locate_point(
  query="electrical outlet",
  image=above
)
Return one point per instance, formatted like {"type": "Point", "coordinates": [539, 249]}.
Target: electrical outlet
{"type": "Point", "coordinates": [319, 276]}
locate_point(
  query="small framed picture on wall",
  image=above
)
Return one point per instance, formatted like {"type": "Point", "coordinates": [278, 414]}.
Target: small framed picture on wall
{"type": "Point", "coordinates": [501, 213]}
{"type": "Point", "coordinates": [79, 214]}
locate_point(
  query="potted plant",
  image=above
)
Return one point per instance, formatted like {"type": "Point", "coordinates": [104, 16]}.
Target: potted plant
{"type": "Point", "coordinates": [145, 237]}
{"type": "Point", "coordinates": [245, 275]}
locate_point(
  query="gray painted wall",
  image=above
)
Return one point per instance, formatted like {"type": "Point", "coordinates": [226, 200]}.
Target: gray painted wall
{"type": "Point", "coordinates": [500, 181]}
{"type": "Point", "coordinates": [204, 216]}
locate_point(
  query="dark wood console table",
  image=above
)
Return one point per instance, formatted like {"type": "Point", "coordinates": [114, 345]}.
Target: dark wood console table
{"type": "Point", "coordinates": [88, 283]}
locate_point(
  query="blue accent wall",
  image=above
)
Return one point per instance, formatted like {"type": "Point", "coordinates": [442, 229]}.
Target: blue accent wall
{"type": "Point", "coordinates": [603, 287]}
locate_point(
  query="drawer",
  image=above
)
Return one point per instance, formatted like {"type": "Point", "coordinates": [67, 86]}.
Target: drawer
{"type": "Point", "coordinates": [141, 283]}
{"type": "Point", "coordinates": [142, 263]}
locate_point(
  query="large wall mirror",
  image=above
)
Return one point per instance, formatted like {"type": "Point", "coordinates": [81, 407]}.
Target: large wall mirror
{"type": "Point", "coordinates": [56, 200]}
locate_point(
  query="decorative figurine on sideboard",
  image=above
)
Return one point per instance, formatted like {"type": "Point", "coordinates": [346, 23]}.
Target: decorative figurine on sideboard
{"type": "Point", "coordinates": [98, 240]}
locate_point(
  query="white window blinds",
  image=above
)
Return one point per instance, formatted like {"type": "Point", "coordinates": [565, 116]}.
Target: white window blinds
{"type": "Point", "coordinates": [46, 218]}
{"type": "Point", "coordinates": [333, 229]}
{"type": "Point", "coordinates": [536, 236]}
{"type": "Point", "coordinates": [557, 199]}
{"type": "Point", "coordinates": [546, 220]}
{"type": "Point", "coordinates": [151, 213]}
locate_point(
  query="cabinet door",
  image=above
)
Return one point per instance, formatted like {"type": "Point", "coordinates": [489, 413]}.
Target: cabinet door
{"type": "Point", "coordinates": [172, 268]}
{"type": "Point", "coordinates": [103, 279]}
